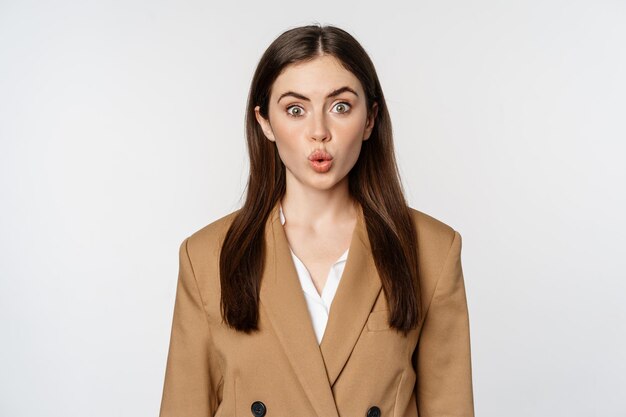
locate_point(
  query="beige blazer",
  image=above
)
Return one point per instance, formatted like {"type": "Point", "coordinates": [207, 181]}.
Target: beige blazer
{"type": "Point", "coordinates": [362, 368]}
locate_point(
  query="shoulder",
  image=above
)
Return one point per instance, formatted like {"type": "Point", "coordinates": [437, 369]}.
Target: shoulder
{"type": "Point", "coordinates": [432, 231]}
{"type": "Point", "coordinates": [436, 240]}
{"type": "Point", "coordinates": [203, 249]}
{"type": "Point", "coordinates": [208, 239]}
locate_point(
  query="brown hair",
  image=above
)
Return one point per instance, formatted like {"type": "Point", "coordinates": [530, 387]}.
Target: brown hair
{"type": "Point", "coordinates": [374, 182]}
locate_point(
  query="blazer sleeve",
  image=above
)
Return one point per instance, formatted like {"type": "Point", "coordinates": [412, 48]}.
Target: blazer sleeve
{"type": "Point", "coordinates": [442, 356]}
{"type": "Point", "coordinates": [191, 374]}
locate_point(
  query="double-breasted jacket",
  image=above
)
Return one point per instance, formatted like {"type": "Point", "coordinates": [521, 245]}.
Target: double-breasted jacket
{"type": "Point", "coordinates": [362, 368]}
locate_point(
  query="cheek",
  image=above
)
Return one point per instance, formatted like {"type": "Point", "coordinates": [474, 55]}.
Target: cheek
{"type": "Point", "coordinates": [351, 133]}
{"type": "Point", "coordinates": [288, 132]}
{"type": "Point", "coordinates": [352, 153]}
{"type": "Point", "coordinates": [289, 146]}
{"type": "Point", "coordinates": [351, 128]}
{"type": "Point", "coordinates": [286, 135]}
{"type": "Point", "coordinates": [288, 152]}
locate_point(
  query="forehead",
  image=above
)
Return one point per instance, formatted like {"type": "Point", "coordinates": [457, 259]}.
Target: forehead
{"type": "Point", "coordinates": [315, 78]}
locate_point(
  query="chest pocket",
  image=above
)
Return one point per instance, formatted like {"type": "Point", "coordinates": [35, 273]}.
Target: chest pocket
{"type": "Point", "coordinates": [378, 321]}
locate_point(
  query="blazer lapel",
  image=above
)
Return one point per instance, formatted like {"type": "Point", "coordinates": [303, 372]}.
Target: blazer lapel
{"type": "Point", "coordinates": [282, 297]}
{"type": "Point", "coordinates": [356, 294]}
{"type": "Point", "coordinates": [318, 366]}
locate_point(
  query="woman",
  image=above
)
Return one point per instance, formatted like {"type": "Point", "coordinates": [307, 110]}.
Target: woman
{"type": "Point", "coordinates": [324, 223]}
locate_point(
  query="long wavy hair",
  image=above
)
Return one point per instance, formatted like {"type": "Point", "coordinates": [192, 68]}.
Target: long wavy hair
{"type": "Point", "coordinates": [374, 182]}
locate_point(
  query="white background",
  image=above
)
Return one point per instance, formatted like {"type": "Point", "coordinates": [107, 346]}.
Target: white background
{"type": "Point", "coordinates": [121, 128]}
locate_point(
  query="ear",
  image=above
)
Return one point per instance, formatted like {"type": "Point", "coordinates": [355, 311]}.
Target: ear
{"type": "Point", "coordinates": [369, 124]}
{"type": "Point", "coordinates": [264, 123]}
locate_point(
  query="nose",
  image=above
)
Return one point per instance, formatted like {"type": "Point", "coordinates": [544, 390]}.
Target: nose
{"type": "Point", "coordinates": [319, 128]}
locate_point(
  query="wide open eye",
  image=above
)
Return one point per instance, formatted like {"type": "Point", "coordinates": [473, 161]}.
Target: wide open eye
{"type": "Point", "coordinates": [297, 111]}
{"type": "Point", "coordinates": [343, 107]}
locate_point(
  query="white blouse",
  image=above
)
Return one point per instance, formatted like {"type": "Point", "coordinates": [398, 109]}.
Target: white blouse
{"type": "Point", "coordinates": [319, 306]}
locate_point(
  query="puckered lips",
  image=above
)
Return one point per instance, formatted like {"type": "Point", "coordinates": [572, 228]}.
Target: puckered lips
{"type": "Point", "coordinates": [320, 160]}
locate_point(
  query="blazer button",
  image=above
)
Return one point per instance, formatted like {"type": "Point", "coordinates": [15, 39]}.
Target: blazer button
{"type": "Point", "coordinates": [258, 409]}
{"type": "Point", "coordinates": [373, 412]}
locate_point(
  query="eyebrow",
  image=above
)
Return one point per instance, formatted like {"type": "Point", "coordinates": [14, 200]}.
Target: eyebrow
{"type": "Point", "coordinates": [332, 94]}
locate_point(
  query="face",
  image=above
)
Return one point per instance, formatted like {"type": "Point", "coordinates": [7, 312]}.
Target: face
{"type": "Point", "coordinates": [317, 105]}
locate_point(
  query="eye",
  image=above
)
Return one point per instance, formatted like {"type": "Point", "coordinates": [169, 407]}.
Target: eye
{"type": "Point", "coordinates": [297, 111]}
{"type": "Point", "coordinates": [343, 107]}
